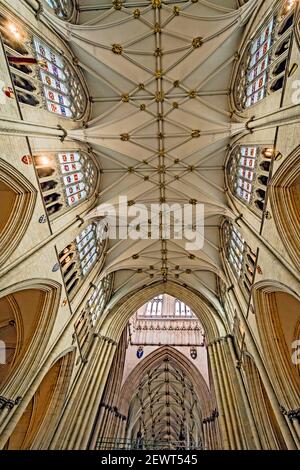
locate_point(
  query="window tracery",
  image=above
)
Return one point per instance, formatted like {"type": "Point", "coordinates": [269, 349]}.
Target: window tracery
{"type": "Point", "coordinates": [181, 309]}
{"type": "Point", "coordinates": [42, 76]}
{"type": "Point", "coordinates": [263, 66]}
{"type": "Point", "coordinates": [66, 179]}
{"type": "Point", "coordinates": [85, 325]}
{"type": "Point", "coordinates": [63, 9]}
{"type": "Point", "coordinates": [154, 306]}
{"type": "Point", "coordinates": [240, 256]}
{"type": "Point", "coordinates": [248, 173]}
{"type": "Point", "coordinates": [78, 258]}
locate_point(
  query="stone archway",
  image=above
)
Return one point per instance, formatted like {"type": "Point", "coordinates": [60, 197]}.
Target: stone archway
{"type": "Point", "coordinates": [277, 310]}
{"type": "Point", "coordinates": [117, 316]}
{"type": "Point", "coordinates": [37, 424]}
{"type": "Point", "coordinates": [285, 203]}
{"type": "Point", "coordinates": [27, 314]}
{"type": "Point", "coordinates": [182, 374]}
{"type": "Point", "coordinates": [18, 198]}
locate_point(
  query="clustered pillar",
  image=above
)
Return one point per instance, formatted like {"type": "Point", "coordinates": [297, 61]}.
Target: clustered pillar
{"type": "Point", "coordinates": [234, 415]}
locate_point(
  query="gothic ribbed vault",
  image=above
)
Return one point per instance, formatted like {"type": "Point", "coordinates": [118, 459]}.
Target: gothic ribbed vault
{"type": "Point", "coordinates": [159, 77]}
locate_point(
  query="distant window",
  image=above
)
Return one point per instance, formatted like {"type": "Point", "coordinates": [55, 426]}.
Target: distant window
{"type": "Point", "coordinates": [62, 8]}
{"type": "Point", "coordinates": [181, 309]}
{"type": "Point", "coordinates": [78, 258]}
{"type": "Point", "coordinates": [42, 76]}
{"type": "Point", "coordinates": [66, 179]}
{"type": "Point", "coordinates": [264, 63]}
{"type": "Point", "coordinates": [248, 173]}
{"type": "Point", "coordinates": [154, 307]}
{"type": "Point", "coordinates": [239, 255]}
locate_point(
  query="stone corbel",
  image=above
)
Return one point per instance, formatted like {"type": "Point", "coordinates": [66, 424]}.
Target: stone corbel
{"type": "Point", "coordinates": [40, 10]}
{"type": "Point", "coordinates": [9, 403]}
{"type": "Point", "coordinates": [62, 138]}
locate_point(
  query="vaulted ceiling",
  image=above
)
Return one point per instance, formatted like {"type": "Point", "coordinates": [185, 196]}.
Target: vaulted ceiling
{"type": "Point", "coordinates": [159, 74]}
{"type": "Point", "coordinates": [166, 407]}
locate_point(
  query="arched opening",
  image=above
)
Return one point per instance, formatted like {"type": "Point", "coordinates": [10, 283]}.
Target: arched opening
{"type": "Point", "coordinates": [163, 399]}
{"type": "Point", "coordinates": [17, 204]}
{"type": "Point", "coordinates": [285, 202]}
{"type": "Point", "coordinates": [26, 318]}
{"type": "Point", "coordinates": [278, 314]}
{"type": "Point", "coordinates": [37, 424]}
{"type": "Point", "coordinates": [166, 399]}
{"type": "Point", "coordinates": [8, 199]}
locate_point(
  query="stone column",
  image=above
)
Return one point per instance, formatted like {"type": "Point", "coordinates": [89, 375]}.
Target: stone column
{"type": "Point", "coordinates": [30, 129]}
{"type": "Point", "coordinates": [235, 419]}
{"type": "Point", "coordinates": [226, 445]}
{"type": "Point", "coordinates": [284, 428]}
{"type": "Point", "coordinates": [280, 117]}
{"type": "Point", "coordinates": [74, 429]}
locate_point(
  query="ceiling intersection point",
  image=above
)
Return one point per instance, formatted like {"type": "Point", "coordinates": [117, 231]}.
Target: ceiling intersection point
{"type": "Point", "coordinates": [117, 49]}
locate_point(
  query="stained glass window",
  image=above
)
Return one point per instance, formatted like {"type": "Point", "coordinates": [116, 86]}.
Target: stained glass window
{"type": "Point", "coordinates": [85, 325]}
{"type": "Point", "coordinates": [62, 90]}
{"type": "Point", "coordinates": [66, 179]}
{"type": "Point", "coordinates": [78, 258]}
{"type": "Point", "coordinates": [62, 8]}
{"type": "Point", "coordinates": [248, 172]}
{"type": "Point", "coordinates": [258, 63]}
{"type": "Point", "coordinates": [264, 63]}
{"type": "Point", "coordinates": [235, 245]}
{"type": "Point", "coordinates": [99, 298]}
{"type": "Point", "coordinates": [42, 76]}
{"type": "Point", "coordinates": [240, 256]}
{"type": "Point", "coordinates": [87, 248]}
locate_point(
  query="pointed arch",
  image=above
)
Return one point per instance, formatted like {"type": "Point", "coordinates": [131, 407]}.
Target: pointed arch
{"type": "Point", "coordinates": [37, 424]}
{"type": "Point", "coordinates": [285, 203]}
{"type": "Point", "coordinates": [153, 360]}
{"type": "Point", "coordinates": [27, 315]}
{"type": "Point", "coordinates": [18, 198]}
{"type": "Point", "coordinates": [116, 317]}
{"type": "Point", "coordinates": [170, 367]}
{"type": "Point", "coordinates": [277, 310]}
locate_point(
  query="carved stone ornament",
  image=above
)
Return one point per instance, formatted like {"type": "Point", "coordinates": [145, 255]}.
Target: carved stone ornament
{"type": "Point", "coordinates": [117, 49]}
{"type": "Point", "coordinates": [140, 352]}
{"type": "Point", "coordinates": [193, 353]}
{"type": "Point", "coordinates": [117, 4]}
{"type": "Point", "coordinates": [197, 42]}
{"type": "Point", "coordinates": [156, 3]}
